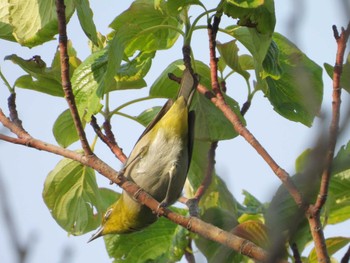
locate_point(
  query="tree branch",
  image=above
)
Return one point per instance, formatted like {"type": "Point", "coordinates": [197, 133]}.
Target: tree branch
{"type": "Point", "coordinates": [66, 84]}
{"type": "Point", "coordinates": [313, 213]}
{"type": "Point", "coordinates": [108, 139]}
{"type": "Point", "coordinates": [193, 224]}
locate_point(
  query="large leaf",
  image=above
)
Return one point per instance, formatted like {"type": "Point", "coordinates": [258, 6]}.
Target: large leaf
{"type": "Point", "coordinates": [297, 93]}
{"type": "Point", "coordinates": [163, 241]}
{"type": "Point", "coordinates": [211, 124]}
{"type": "Point", "coordinates": [90, 75]}
{"type": "Point", "coordinates": [147, 28]}
{"type": "Point", "coordinates": [6, 28]}
{"type": "Point", "coordinates": [35, 21]}
{"type": "Point", "coordinates": [71, 194]}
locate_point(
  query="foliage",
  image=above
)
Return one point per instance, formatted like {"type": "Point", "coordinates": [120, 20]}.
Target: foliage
{"type": "Point", "coordinates": [121, 60]}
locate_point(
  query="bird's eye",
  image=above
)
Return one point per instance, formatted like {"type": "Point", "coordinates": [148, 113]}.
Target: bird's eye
{"type": "Point", "coordinates": [108, 213]}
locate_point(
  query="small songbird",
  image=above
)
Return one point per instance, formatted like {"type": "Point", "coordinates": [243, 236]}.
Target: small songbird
{"type": "Point", "coordinates": [158, 164]}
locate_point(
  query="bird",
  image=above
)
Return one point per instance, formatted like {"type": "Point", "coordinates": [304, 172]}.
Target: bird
{"type": "Point", "coordinates": [158, 163]}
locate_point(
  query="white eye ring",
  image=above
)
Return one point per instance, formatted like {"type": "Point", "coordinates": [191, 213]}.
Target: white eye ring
{"type": "Point", "coordinates": [108, 213]}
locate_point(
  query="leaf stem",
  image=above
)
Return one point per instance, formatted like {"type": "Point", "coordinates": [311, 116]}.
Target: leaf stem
{"type": "Point", "coordinates": [7, 84]}
{"type": "Point", "coordinates": [116, 110]}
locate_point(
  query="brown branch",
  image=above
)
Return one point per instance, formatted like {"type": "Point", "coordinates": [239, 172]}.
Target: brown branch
{"type": "Point", "coordinates": [334, 126]}
{"type": "Point", "coordinates": [193, 224]}
{"type": "Point", "coordinates": [11, 102]}
{"type": "Point", "coordinates": [219, 102]}
{"type": "Point", "coordinates": [212, 32]}
{"type": "Point", "coordinates": [192, 203]}
{"type": "Point", "coordinates": [108, 139]}
{"type": "Point", "coordinates": [313, 213]}
{"type": "Point", "coordinates": [209, 172]}
{"type": "Point", "coordinates": [66, 84]}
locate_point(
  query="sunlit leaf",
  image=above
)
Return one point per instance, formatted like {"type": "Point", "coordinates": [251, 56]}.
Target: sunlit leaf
{"type": "Point", "coordinates": [333, 245]}
{"type": "Point", "coordinates": [71, 194]}
{"type": "Point", "coordinates": [163, 241]}
{"type": "Point", "coordinates": [64, 129]}
{"type": "Point", "coordinates": [148, 28]}
{"type": "Point", "coordinates": [35, 22]}
{"type": "Point", "coordinates": [85, 16]}
{"type": "Point", "coordinates": [297, 93]}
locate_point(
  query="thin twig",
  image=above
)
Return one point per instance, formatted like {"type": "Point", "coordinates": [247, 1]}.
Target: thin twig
{"type": "Point", "coordinates": [313, 213]}
{"type": "Point", "coordinates": [334, 126]}
{"type": "Point", "coordinates": [209, 172]}
{"type": "Point", "coordinates": [346, 256]}
{"type": "Point", "coordinates": [108, 139]}
{"type": "Point", "coordinates": [296, 254]}
{"type": "Point", "coordinates": [66, 84]}
{"type": "Point", "coordinates": [11, 102]}
{"type": "Point", "coordinates": [189, 252]}
{"type": "Point", "coordinates": [192, 203]}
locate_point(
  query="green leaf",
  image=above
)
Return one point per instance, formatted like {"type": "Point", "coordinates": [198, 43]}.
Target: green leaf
{"type": "Point", "coordinates": [174, 6]}
{"type": "Point", "coordinates": [283, 214]}
{"type": "Point", "coordinates": [341, 161]}
{"type": "Point", "coordinates": [254, 231]}
{"type": "Point", "coordinates": [297, 94]}
{"type": "Point", "coordinates": [91, 74]}
{"type": "Point", "coordinates": [229, 53]}
{"type": "Point", "coordinates": [42, 78]}
{"type": "Point", "coordinates": [252, 203]}
{"type": "Point", "coordinates": [333, 244]}
{"type": "Point", "coordinates": [163, 241]}
{"type": "Point", "coordinates": [257, 43]}
{"type": "Point", "coordinates": [271, 66]}
{"type": "Point", "coordinates": [338, 202]}
{"type": "Point", "coordinates": [213, 251]}
{"type": "Point", "coordinates": [85, 16]}
{"type": "Point", "coordinates": [217, 195]}
{"type": "Point", "coordinates": [345, 75]}
{"type": "Point", "coordinates": [246, 3]}
{"type": "Point", "coordinates": [71, 194]}
{"type": "Point", "coordinates": [147, 28]}
{"type": "Point", "coordinates": [302, 161]}
{"type": "Point", "coordinates": [148, 115]}
{"type": "Point", "coordinates": [64, 129]}
{"type": "Point", "coordinates": [44, 85]}
{"type": "Point", "coordinates": [108, 197]}
{"type": "Point", "coordinates": [35, 22]}
{"type": "Point", "coordinates": [6, 28]}
{"type": "Point", "coordinates": [211, 124]}
{"type": "Point", "coordinates": [259, 14]}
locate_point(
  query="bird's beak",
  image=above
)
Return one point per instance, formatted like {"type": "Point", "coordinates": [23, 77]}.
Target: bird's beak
{"type": "Point", "coordinates": [97, 234]}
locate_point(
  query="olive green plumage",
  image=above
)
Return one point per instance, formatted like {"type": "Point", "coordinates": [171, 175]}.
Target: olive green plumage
{"type": "Point", "coordinates": [158, 163]}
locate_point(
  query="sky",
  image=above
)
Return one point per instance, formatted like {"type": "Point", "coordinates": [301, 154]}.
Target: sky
{"type": "Point", "coordinates": [24, 170]}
